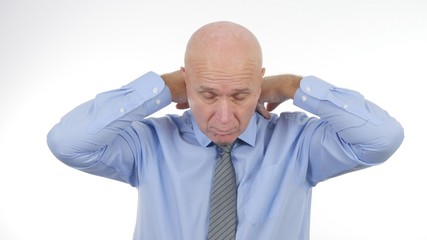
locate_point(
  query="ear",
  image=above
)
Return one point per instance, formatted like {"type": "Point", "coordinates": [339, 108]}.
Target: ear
{"type": "Point", "coordinates": [183, 74]}
{"type": "Point", "coordinates": [262, 72]}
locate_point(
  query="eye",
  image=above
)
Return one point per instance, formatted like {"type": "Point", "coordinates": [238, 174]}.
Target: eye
{"type": "Point", "coordinates": [208, 95]}
{"type": "Point", "coordinates": [240, 97]}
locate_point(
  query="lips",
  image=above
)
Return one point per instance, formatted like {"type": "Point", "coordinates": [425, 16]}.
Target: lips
{"type": "Point", "coordinates": [222, 132]}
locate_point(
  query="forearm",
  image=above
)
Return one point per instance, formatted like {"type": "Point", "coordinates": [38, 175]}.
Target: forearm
{"type": "Point", "coordinates": [175, 82]}
{"type": "Point", "coordinates": [86, 130]}
{"type": "Point", "coordinates": [371, 133]}
{"type": "Point", "coordinates": [284, 85]}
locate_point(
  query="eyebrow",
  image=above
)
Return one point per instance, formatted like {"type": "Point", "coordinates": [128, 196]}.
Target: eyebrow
{"type": "Point", "coordinates": [234, 91]}
{"type": "Point", "coordinates": [204, 88]}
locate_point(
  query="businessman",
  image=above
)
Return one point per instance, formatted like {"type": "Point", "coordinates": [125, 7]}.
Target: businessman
{"type": "Point", "coordinates": [226, 168]}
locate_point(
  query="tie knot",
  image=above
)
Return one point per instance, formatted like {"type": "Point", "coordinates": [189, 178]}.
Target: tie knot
{"type": "Point", "coordinates": [225, 148]}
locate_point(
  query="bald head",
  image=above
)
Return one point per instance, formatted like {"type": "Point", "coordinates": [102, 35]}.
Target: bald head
{"type": "Point", "coordinates": [223, 76]}
{"type": "Point", "coordinates": [223, 42]}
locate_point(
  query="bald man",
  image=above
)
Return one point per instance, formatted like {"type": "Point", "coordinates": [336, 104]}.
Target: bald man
{"type": "Point", "coordinates": [276, 159]}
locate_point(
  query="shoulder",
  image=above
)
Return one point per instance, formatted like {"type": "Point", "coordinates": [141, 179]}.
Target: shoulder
{"type": "Point", "coordinates": [172, 120]}
{"type": "Point", "coordinates": [300, 118]}
{"type": "Point", "coordinates": [289, 122]}
{"type": "Point", "coordinates": [166, 129]}
{"type": "Point", "coordinates": [166, 123]}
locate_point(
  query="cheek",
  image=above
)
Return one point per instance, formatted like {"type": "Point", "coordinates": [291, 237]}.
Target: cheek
{"type": "Point", "coordinates": [201, 113]}
{"type": "Point", "coordinates": [245, 114]}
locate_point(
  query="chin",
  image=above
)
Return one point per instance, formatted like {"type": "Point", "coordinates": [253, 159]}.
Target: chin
{"type": "Point", "coordinates": [222, 140]}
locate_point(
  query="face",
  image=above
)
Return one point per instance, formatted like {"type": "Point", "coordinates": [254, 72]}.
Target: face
{"type": "Point", "coordinates": [223, 99]}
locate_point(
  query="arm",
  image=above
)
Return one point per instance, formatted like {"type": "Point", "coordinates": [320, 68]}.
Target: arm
{"type": "Point", "coordinates": [275, 90]}
{"type": "Point", "coordinates": [87, 137]}
{"type": "Point", "coordinates": [176, 85]}
{"type": "Point", "coordinates": [352, 132]}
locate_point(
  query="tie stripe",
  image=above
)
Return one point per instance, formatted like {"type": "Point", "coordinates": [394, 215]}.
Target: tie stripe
{"type": "Point", "coordinates": [223, 211]}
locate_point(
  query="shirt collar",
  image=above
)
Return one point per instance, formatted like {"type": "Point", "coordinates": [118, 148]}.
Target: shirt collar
{"type": "Point", "coordinates": [248, 136]}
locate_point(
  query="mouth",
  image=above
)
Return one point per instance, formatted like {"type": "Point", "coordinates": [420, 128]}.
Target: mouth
{"type": "Point", "coordinates": [223, 133]}
{"type": "Point", "coordinates": [223, 136]}
{"type": "Point", "coordinates": [219, 132]}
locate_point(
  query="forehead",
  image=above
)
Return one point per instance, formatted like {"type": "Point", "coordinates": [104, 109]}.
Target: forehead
{"type": "Point", "coordinates": [229, 80]}
{"type": "Point", "coordinates": [223, 67]}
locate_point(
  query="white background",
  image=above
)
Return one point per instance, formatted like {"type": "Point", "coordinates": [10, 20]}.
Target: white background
{"type": "Point", "coordinates": [55, 54]}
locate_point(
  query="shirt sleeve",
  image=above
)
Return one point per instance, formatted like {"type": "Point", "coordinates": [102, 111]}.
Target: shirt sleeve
{"type": "Point", "coordinates": [352, 132]}
{"type": "Point", "coordinates": [84, 134]}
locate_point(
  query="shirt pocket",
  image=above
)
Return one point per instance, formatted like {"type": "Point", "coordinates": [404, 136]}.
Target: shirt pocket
{"type": "Point", "coordinates": [260, 201]}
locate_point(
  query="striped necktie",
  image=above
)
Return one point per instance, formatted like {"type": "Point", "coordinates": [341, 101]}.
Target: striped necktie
{"type": "Point", "coordinates": [223, 205]}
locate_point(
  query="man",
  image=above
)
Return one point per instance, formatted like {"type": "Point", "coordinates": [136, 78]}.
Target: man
{"type": "Point", "coordinates": [276, 159]}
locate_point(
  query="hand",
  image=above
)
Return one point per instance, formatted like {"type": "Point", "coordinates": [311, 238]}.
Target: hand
{"type": "Point", "coordinates": [275, 90]}
{"type": "Point", "coordinates": [176, 84]}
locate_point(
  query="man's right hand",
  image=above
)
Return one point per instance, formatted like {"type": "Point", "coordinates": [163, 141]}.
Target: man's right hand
{"type": "Point", "coordinates": [275, 90]}
{"type": "Point", "coordinates": [176, 84]}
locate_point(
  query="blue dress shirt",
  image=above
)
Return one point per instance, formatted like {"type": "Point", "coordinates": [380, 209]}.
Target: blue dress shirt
{"type": "Point", "coordinates": [171, 162]}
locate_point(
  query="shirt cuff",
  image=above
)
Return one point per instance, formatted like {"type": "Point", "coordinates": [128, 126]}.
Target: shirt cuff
{"type": "Point", "coordinates": [134, 101]}
{"type": "Point", "coordinates": [323, 99]}
{"type": "Point", "coordinates": [311, 91]}
{"type": "Point", "coordinates": [152, 91]}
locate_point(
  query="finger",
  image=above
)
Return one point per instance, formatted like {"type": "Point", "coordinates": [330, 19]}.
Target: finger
{"type": "Point", "coordinates": [263, 111]}
{"type": "Point", "coordinates": [182, 105]}
{"type": "Point", "coordinates": [272, 106]}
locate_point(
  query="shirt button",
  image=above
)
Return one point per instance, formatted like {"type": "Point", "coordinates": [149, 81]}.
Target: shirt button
{"type": "Point", "coordinates": [345, 106]}
{"type": "Point", "coordinates": [158, 101]}
{"type": "Point", "coordinates": [122, 110]}
{"type": "Point", "coordinates": [308, 89]}
{"type": "Point", "coordinates": [155, 90]}
{"type": "Point", "coordinates": [304, 98]}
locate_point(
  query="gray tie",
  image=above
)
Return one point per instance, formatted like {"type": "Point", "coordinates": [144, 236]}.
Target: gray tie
{"type": "Point", "coordinates": [223, 209]}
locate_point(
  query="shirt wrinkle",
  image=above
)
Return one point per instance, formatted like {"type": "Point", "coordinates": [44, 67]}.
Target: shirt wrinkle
{"type": "Point", "coordinates": [171, 162]}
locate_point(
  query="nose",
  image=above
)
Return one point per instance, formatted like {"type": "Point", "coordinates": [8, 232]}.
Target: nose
{"type": "Point", "coordinates": [224, 111]}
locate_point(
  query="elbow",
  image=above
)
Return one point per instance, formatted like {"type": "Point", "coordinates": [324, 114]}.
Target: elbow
{"type": "Point", "coordinates": [54, 144]}
{"type": "Point", "coordinates": [392, 141]}
{"type": "Point", "coordinates": [68, 151]}
{"type": "Point", "coordinates": [383, 146]}
{"type": "Point", "coordinates": [58, 145]}
{"type": "Point", "coordinates": [396, 138]}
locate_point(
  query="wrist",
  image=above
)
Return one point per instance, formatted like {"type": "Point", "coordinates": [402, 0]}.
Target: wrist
{"type": "Point", "coordinates": [287, 85]}
{"type": "Point", "coordinates": [175, 83]}
{"type": "Point", "coordinates": [294, 82]}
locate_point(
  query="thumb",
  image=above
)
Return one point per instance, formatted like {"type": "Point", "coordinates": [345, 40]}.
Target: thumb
{"type": "Point", "coordinates": [183, 105]}
{"type": "Point", "coordinates": [272, 106]}
{"type": "Point", "coordinates": [261, 110]}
